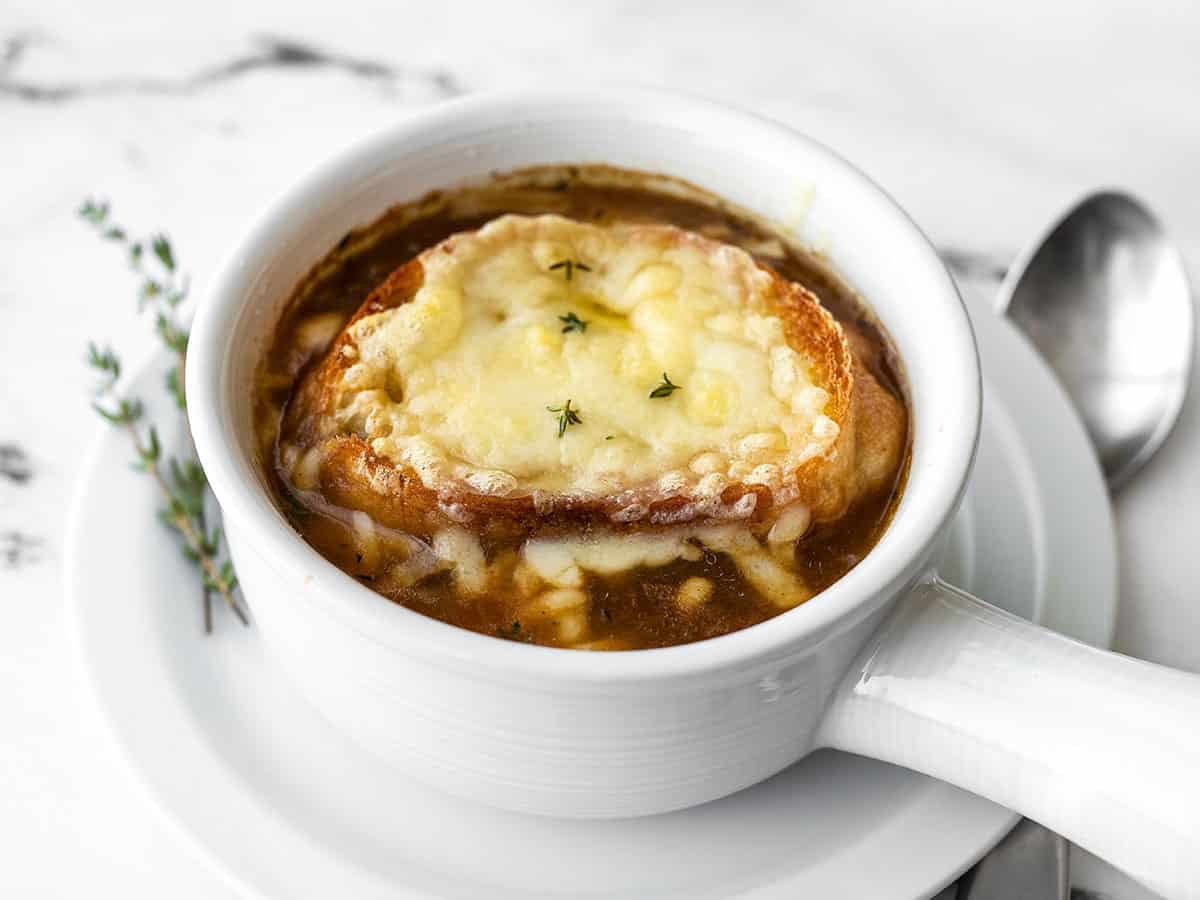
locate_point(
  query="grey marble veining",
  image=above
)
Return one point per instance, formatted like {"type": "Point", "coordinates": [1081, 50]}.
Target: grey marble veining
{"type": "Point", "coordinates": [14, 464]}
{"type": "Point", "coordinates": [17, 549]}
{"type": "Point", "coordinates": [264, 52]}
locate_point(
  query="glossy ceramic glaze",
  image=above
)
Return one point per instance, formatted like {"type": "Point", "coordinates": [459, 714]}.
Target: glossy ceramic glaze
{"type": "Point", "coordinates": [602, 735]}
{"type": "Point", "coordinates": [1096, 746]}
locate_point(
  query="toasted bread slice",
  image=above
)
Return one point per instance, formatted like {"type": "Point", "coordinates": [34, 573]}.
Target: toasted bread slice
{"type": "Point", "coordinates": [540, 374]}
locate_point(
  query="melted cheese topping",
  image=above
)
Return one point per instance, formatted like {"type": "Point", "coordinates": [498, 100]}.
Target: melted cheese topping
{"type": "Point", "coordinates": [456, 383]}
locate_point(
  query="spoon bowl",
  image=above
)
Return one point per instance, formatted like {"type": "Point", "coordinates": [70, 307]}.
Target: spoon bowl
{"type": "Point", "coordinates": [1105, 298]}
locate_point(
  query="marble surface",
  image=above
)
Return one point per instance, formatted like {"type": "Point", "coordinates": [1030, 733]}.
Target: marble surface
{"type": "Point", "coordinates": [982, 121]}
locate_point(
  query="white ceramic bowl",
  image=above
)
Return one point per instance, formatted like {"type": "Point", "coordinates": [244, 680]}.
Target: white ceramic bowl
{"type": "Point", "coordinates": [948, 685]}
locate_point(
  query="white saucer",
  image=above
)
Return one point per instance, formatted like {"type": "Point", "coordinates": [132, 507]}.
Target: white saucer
{"type": "Point", "coordinates": [286, 807]}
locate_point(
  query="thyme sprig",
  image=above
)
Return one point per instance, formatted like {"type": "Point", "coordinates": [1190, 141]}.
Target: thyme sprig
{"type": "Point", "coordinates": [566, 416]}
{"type": "Point", "coordinates": [572, 322]}
{"type": "Point", "coordinates": [570, 267]}
{"type": "Point", "coordinates": [163, 286]}
{"type": "Point", "coordinates": [666, 389]}
{"type": "Point", "coordinates": [180, 480]}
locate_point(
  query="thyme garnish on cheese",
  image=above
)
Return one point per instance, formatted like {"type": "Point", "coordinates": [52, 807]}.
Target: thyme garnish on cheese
{"type": "Point", "coordinates": [572, 322]}
{"type": "Point", "coordinates": [566, 416]}
{"type": "Point", "coordinates": [570, 266]}
{"type": "Point", "coordinates": [180, 480]}
{"type": "Point", "coordinates": [666, 389]}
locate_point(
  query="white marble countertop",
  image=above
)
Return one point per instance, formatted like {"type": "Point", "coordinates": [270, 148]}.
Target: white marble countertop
{"type": "Point", "coordinates": [190, 117]}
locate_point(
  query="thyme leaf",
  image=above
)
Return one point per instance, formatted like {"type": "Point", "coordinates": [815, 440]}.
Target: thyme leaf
{"type": "Point", "coordinates": [572, 322]}
{"type": "Point", "coordinates": [566, 416]}
{"type": "Point", "coordinates": [162, 249]}
{"type": "Point", "coordinates": [104, 361]}
{"type": "Point", "coordinates": [570, 266]}
{"type": "Point", "coordinates": [514, 632]}
{"type": "Point", "coordinates": [666, 389]}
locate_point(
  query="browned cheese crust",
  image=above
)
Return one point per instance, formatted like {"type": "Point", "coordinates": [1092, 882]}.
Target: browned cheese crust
{"type": "Point", "coordinates": [864, 457]}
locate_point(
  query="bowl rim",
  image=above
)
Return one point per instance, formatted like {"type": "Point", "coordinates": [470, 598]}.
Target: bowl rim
{"type": "Point", "coordinates": [897, 558]}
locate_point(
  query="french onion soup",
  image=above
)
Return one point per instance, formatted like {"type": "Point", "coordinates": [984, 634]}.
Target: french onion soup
{"type": "Point", "coordinates": [582, 407]}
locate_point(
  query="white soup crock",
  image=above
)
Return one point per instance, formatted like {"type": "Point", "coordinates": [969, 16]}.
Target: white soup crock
{"type": "Point", "coordinates": [888, 662]}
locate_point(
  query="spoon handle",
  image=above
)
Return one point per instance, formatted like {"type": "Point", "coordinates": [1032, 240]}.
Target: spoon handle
{"type": "Point", "coordinates": [1031, 862]}
{"type": "Point", "coordinates": [1102, 748]}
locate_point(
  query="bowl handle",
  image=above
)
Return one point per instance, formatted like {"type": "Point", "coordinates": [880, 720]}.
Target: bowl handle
{"type": "Point", "coordinates": [1102, 748]}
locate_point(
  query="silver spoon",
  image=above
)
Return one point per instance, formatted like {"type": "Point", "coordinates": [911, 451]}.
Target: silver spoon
{"type": "Point", "coordinates": [1104, 297]}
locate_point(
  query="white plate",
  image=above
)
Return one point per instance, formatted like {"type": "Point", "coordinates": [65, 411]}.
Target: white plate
{"type": "Point", "coordinates": [286, 807]}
